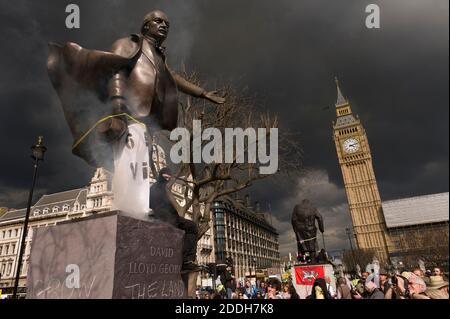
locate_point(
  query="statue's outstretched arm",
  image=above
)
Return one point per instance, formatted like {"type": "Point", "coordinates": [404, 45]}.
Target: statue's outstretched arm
{"type": "Point", "coordinates": [113, 128]}
{"type": "Point", "coordinates": [194, 90]}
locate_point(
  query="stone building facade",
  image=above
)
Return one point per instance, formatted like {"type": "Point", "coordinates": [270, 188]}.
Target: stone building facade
{"type": "Point", "coordinates": [243, 233]}
{"type": "Point", "coordinates": [418, 228]}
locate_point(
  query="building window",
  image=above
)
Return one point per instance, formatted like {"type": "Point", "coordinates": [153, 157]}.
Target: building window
{"type": "Point", "coordinates": [9, 233]}
{"type": "Point", "coordinates": [45, 211]}
{"type": "Point", "coordinates": [55, 209]}
{"type": "Point", "coordinates": [65, 207]}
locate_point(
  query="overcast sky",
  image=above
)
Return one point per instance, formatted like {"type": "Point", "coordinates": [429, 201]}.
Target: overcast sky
{"type": "Point", "coordinates": [286, 53]}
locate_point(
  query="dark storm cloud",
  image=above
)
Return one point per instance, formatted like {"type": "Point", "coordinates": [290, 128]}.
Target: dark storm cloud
{"type": "Point", "coordinates": [287, 54]}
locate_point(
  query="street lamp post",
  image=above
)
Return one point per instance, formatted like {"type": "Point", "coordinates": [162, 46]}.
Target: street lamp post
{"type": "Point", "coordinates": [347, 230]}
{"type": "Point", "coordinates": [254, 265]}
{"type": "Point", "coordinates": [38, 151]}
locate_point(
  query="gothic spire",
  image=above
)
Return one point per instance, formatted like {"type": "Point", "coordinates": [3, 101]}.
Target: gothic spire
{"type": "Point", "coordinates": [340, 98]}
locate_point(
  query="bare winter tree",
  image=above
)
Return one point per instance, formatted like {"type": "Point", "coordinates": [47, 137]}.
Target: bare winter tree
{"type": "Point", "coordinates": [204, 183]}
{"type": "Point", "coordinates": [361, 257]}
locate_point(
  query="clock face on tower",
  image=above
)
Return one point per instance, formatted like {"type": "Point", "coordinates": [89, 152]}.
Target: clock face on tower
{"type": "Point", "coordinates": [351, 145]}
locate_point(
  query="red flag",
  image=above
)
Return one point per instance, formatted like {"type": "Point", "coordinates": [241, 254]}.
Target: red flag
{"type": "Point", "coordinates": [305, 275]}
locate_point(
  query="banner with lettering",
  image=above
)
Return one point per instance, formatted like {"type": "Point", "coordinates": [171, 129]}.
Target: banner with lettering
{"type": "Point", "coordinates": [305, 275]}
{"type": "Point", "coordinates": [130, 182]}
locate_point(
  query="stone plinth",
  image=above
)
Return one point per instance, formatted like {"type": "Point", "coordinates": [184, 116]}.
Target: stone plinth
{"type": "Point", "coordinates": [109, 256]}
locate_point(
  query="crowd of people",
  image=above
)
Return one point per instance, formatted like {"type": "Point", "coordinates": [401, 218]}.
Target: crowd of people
{"type": "Point", "coordinates": [415, 284]}
{"type": "Point", "coordinates": [263, 289]}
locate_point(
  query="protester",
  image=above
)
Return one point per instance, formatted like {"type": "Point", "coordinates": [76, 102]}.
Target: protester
{"type": "Point", "coordinates": [273, 289]}
{"type": "Point", "coordinates": [385, 285]}
{"type": "Point", "coordinates": [372, 291]}
{"type": "Point", "coordinates": [358, 291]}
{"type": "Point", "coordinates": [322, 257]}
{"type": "Point", "coordinates": [419, 272]}
{"type": "Point", "coordinates": [416, 286]}
{"type": "Point", "coordinates": [249, 290]}
{"type": "Point", "coordinates": [400, 288]}
{"type": "Point", "coordinates": [330, 288]}
{"type": "Point", "coordinates": [217, 296]}
{"type": "Point", "coordinates": [228, 281]}
{"type": "Point", "coordinates": [343, 291]}
{"type": "Point", "coordinates": [438, 272]}
{"type": "Point", "coordinates": [319, 290]}
{"type": "Point", "coordinates": [220, 289]}
{"type": "Point", "coordinates": [242, 296]}
{"type": "Point", "coordinates": [438, 288]}
{"type": "Point", "coordinates": [293, 292]}
{"type": "Point", "coordinates": [258, 295]}
{"type": "Point", "coordinates": [262, 288]}
{"type": "Point", "coordinates": [239, 287]}
{"type": "Point", "coordinates": [285, 293]}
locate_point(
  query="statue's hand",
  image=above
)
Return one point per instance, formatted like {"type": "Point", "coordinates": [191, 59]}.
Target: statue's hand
{"type": "Point", "coordinates": [213, 97]}
{"type": "Point", "coordinates": [115, 127]}
{"type": "Point", "coordinates": [112, 129]}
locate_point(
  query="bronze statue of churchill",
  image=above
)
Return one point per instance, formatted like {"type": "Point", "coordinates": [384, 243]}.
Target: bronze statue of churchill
{"type": "Point", "coordinates": [100, 91]}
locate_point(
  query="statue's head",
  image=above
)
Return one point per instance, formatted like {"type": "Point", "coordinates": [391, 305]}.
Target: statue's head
{"type": "Point", "coordinates": [156, 25]}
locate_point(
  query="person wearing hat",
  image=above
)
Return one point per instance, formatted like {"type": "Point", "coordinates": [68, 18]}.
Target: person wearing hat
{"type": "Point", "coordinates": [385, 286]}
{"type": "Point", "coordinates": [419, 272]}
{"type": "Point", "coordinates": [163, 209]}
{"type": "Point", "coordinates": [416, 286]}
{"type": "Point", "coordinates": [372, 291]}
{"type": "Point", "coordinates": [437, 288]}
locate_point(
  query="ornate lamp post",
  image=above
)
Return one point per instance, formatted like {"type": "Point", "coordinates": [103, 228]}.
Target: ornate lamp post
{"type": "Point", "coordinates": [38, 151]}
{"type": "Point", "coordinates": [348, 231]}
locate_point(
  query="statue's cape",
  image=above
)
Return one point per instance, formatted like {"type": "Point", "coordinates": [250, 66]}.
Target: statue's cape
{"type": "Point", "coordinates": [80, 77]}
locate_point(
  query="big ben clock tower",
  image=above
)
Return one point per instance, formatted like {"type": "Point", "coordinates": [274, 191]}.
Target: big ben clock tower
{"type": "Point", "coordinates": [355, 159]}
